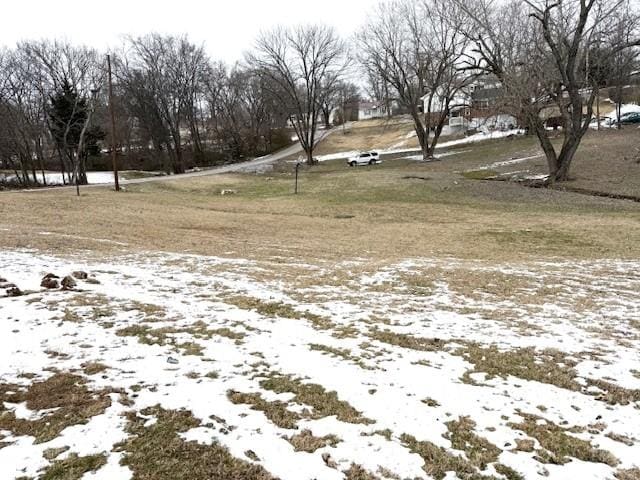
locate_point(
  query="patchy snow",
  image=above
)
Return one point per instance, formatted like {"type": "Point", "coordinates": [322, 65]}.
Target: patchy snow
{"type": "Point", "coordinates": [385, 382]}
{"type": "Point", "coordinates": [625, 108]}
{"type": "Point", "coordinates": [475, 138]}
{"type": "Point", "coordinates": [55, 178]}
{"type": "Point", "coordinates": [507, 163]}
{"type": "Point", "coordinates": [440, 155]}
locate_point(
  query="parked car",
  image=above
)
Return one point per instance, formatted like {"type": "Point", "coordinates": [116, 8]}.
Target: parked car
{"type": "Point", "coordinates": [628, 118]}
{"type": "Point", "coordinates": [364, 158]}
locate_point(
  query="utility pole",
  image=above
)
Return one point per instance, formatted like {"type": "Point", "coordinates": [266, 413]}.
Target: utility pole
{"type": "Point", "coordinates": [114, 153]}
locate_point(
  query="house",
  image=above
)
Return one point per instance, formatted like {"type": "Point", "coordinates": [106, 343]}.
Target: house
{"type": "Point", "coordinates": [370, 110]}
{"type": "Point", "coordinates": [478, 106]}
{"type": "Point", "coordinates": [458, 109]}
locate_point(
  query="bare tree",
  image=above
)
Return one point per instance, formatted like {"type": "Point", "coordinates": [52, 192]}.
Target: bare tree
{"type": "Point", "coordinates": [61, 71]}
{"type": "Point", "coordinates": [417, 48]}
{"type": "Point", "coordinates": [301, 65]}
{"type": "Point", "coordinates": [338, 97]}
{"type": "Point", "coordinates": [244, 115]}
{"type": "Point", "coordinates": [161, 75]}
{"type": "Point", "coordinates": [539, 51]}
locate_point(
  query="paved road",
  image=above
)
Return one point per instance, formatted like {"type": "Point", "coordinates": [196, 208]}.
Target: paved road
{"type": "Point", "coordinates": [248, 166]}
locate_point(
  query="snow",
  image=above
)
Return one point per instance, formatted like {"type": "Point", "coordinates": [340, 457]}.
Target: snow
{"type": "Point", "coordinates": [55, 178]}
{"type": "Point", "coordinates": [625, 108]}
{"type": "Point", "coordinates": [194, 288]}
{"type": "Point", "coordinates": [475, 138]}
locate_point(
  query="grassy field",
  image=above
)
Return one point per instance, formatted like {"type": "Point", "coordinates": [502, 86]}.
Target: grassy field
{"type": "Point", "coordinates": [406, 320]}
{"type": "Point", "coordinates": [396, 210]}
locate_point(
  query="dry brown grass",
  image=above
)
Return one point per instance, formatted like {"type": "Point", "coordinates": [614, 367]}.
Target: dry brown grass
{"type": "Point", "coordinates": [73, 467]}
{"type": "Point", "coordinates": [628, 474]}
{"type": "Point", "coordinates": [157, 452]}
{"type": "Point", "coordinates": [558, 446]}
{"type": "Point", "coordinates": [392, 217]}
{"type": "Point", "coordinates": [356, 472]}
{"type": "Point", "coordinates": [438, 461]}
{"type": "Point", "coordinates": [548, 366]}
{"type": "Point", "coordinates": [279, 309]}
{"type": "Point", "coordinates": [408, 341]}
{"type": "Point", "coordinates": [370, 135]}
{"type": "Point", "coordinates": [324, 403]}
{"type": "Point", "coordinates": [93, 368]}
{"type": "Point", "coordinates": [479, 451]}
{"type": "Point", "coordinates": [72, 403]}
{"type": "Point", "coordinates": [276, 411]}
{"type": "Point", "coordinates": [305, 441]}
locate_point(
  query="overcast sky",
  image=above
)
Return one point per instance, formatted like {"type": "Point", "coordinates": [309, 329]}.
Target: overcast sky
{"type": "Point", "coordinates": [227, 27]}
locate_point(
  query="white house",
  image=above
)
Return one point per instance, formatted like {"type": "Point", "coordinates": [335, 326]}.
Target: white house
{"type": "Point", "coordinates": [458, 108]}
{"type": "Point", "coordinates": [369, 110]}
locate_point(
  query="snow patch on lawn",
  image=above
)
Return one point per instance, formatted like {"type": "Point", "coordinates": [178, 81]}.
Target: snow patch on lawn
{"type": "Point", "coordinates": [386, 382]}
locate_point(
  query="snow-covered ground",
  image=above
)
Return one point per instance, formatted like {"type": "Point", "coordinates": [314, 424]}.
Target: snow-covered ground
{"type": "Point", "coordinates": [348, 328]}
{"type": "Point", "coordinates": [55, 178]}
{"type": "Point", "coordinates": [94, 178]}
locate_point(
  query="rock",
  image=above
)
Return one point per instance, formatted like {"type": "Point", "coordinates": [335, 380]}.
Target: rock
{"type": "Point", "coordinates": [328, 460]}
{"type": "Point", "coordinates": [93, 281]}
{"type": "Point", "coordinates": [68, 283]}
{"type": "Point", "coordinates": [80, 275]}
{"type": "Point", "coordinates": [14, 292]}
{"type": "Point", "coordinates": [3, 280]}
{"type": "Point", "coordinates": [50, 281]}
{"type": "Point", "coordinates": [250, 454]}
{"type": "Point", "coordinates": [172, 361]}
{"type": "Point", "coordinates": [7, 285]}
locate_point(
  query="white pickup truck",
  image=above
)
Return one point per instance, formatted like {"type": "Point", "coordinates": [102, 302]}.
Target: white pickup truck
{"type": "Point", "coordinates": [364, 158]}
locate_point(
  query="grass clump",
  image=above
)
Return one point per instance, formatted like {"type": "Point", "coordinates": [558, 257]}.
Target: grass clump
{"type": "Point", "coordinates": [356, 472]}
{"type": "Point", "coordinates": [73, 467]}
{"type": "Point", "coordinates": [629, 442]}
{"type": "Point", "coordinates": [479, 451]}
{"type": "Point", "coordinates": [67, 395]}
{"type": "Point", "coordinates": [157, 452]}
{"type": "Point", "coordinates": [93, 368]}
{"type": "Point", "coordinates": [280, 309]}
{"type": "Point", "coordinates": [342, 353]}
{"type": "Point", "coordinates": [438, 461]}
{"type": "Point", "coordinates": [559, 447]}
{"type": "Point", "coordinates": [629, 474]}
{"type": "Point", "coordinates": [276, 412]}
{"type": "Point", "coordinates": [306, 442]}
{"type": "Point", "coordinates": [408, 341]}
{"type": "Point", "coordinates": [613, 394]}
{"type": "Point", "coordinates": [324, 404]}
{"type": "Point", "coordinates": [549, 366]}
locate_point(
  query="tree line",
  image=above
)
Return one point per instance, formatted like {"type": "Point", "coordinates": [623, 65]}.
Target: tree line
{"type": "Point", "coordinates": [177, 108]}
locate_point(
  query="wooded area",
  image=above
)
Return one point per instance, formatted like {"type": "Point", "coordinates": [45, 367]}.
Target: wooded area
{"type": "Point", "coordinates": [176, 108]}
